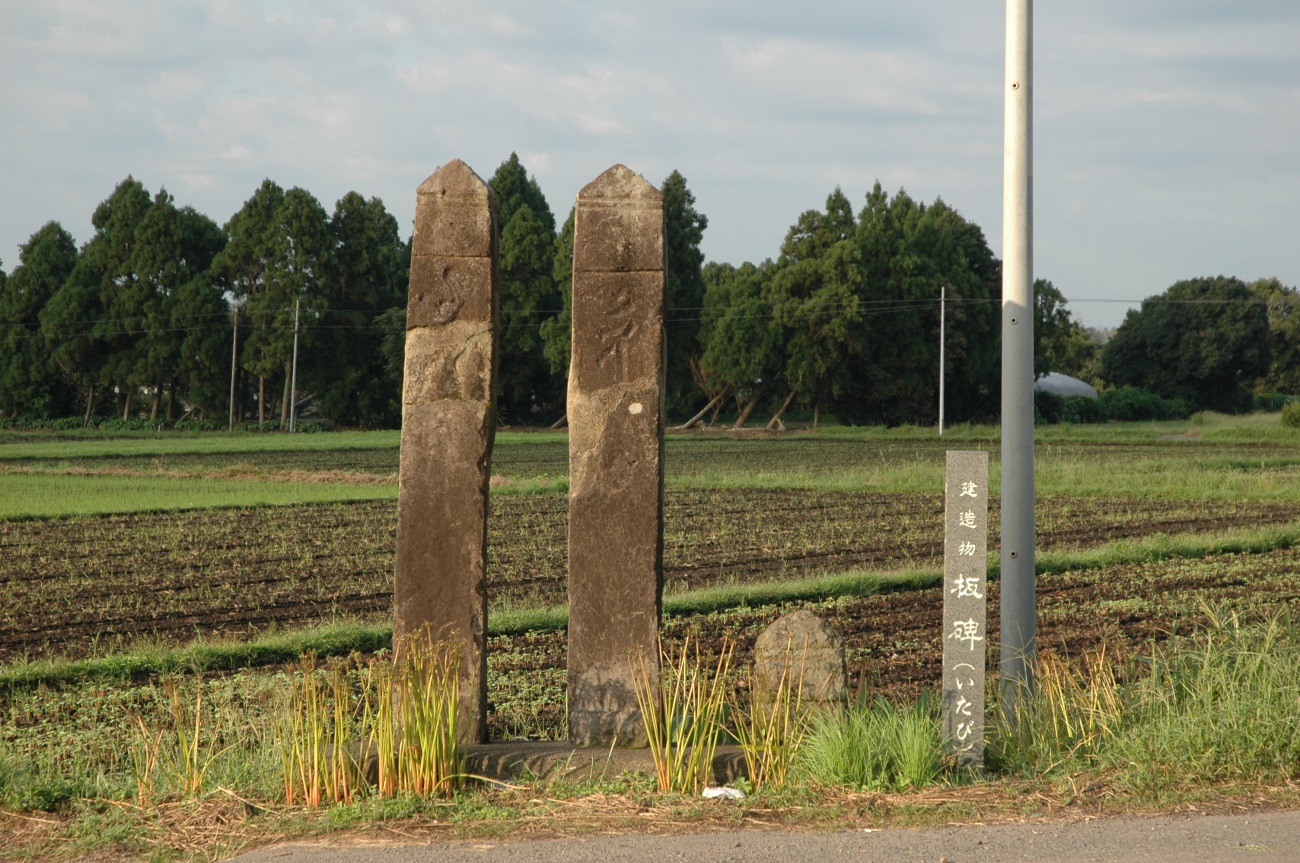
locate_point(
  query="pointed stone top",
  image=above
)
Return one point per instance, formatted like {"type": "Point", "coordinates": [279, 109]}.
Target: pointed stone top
{"type": "Point", "coordinates": [621, 182]}
{"type": "Point", "coordinates": [456, 180]}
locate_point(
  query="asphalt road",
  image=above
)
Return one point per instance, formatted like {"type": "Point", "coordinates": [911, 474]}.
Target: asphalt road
{"type": "Point", "coordinates": [1261, 837]}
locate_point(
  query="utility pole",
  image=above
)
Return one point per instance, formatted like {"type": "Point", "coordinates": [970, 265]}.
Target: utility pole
{"type": "Point", "coordinates": [234, 355]}
{"type": "Point", "coordinates": [1018, 603]}
{"type": "Point", "coordinates": [293, 378]}
{"type": "Point", "coordinates": [943, 339]}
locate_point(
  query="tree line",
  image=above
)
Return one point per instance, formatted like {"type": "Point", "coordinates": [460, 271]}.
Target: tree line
{"type": "Point", "coordinates": [150, 316]}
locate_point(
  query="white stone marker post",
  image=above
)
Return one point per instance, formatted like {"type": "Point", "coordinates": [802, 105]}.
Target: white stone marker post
{"type": "Point", "coordinates": [965, 605]}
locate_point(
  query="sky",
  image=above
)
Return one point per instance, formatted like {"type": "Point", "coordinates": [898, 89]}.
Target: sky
{"type": "Point", "coordinates": [1166, 132]}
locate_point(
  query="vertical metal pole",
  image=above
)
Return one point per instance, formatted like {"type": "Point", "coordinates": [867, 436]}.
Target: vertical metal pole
{"type": "Point", "coordinates": [293, 378]}
{"type": "Point", "coordinates": [943, 326]}
{"type": "Point", "coordinates": [1018, 611]}
{"type": "Point", "coordinates": [234, 353]}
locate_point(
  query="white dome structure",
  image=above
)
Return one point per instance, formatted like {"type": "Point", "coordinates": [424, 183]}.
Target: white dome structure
{"type": "Point", "coordinates": [1064, 385]}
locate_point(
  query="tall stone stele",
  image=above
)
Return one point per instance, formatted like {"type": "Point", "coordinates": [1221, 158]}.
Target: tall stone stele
{"type": "Point", "coordinates": [447, 430]}
{"type": "Point", "coordinates": [615, 406]}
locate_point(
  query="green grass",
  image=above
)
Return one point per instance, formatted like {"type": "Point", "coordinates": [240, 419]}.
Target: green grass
{"type": "Point", "coordinates": [1220, 704]}
{"type": "Point", "coordinates": [874, 747]}
{"type": "Point", "coordinates": [93, 444]}
{"type": "Point", "coordinates": [97, 444]}
{"type": "Point", "coordinates": [1209, 457]}
{"type": "Point", "coordinates": [34, 495]}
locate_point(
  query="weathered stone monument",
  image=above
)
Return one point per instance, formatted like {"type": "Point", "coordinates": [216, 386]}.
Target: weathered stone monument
{"type": "Point", "coordinates": [801, 648]}
{"type": "Point", "coordinates": [965, 600]}
{"type": "Point", "coordinates": [615, 406]}
{"type": "Point", "coordinates": [447, 429]}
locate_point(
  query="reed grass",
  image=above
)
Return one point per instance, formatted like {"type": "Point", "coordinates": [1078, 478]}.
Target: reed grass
{"type": "Point", "coordinates": [316, 734]}
{"type": "Point", "coordinates": [682, 709]}
{"type": "Point", "coordinates": [176, 757]}
{"type": "Point", "coordinates": [1075, 709]}
{"type": "Point", "coordinates": [770, 729]}
{"type": "Point", "coordinates": [415, 729]}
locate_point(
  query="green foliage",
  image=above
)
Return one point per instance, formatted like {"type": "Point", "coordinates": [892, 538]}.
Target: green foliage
{"type": "Point", "coordinates": [1291, 415]}
{"type": "Point", "coordinates": [684, 228]}
{"type": "Point", "coordinates": [1283, 309]}
{"type": "Point", "coordinates": [1204, 341]}
{"type": "Point", "coordinates": [742, 344]}
{"type": "Point", "coordinates": [909, 252]}
{"type": "Point", "coordinates": [1217, 705]}
{"type": "Point", "coordinates": [1061, 344]}
{"type": "Point", "coordinates": [1083, 409]}
{"type": "Point", "coordinates": [530, 392]}
{"type": "Point", "coordinates": [875, 747]}
{"type": "Point", "coordinates": [1051, 408]}
{"type": "Point", "coordinates": [348, 360]}
{"type": "Point", "coordinates": [557, 331]}
{"type": "Point", "coordinates": [1130, 404]}
{"type": "Point", "coordinates": [814, 293]}
{"type": "Point", "coordinates": [1048, 407]}
{"type": "Point", "coordinates": [847, 318]}
{"type": "Point", "coordinates": [29, 382]}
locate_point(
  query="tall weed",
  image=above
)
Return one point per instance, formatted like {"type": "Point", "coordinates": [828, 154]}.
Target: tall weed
{"type": "Point", "coordinates": [1221, 704]}
{"type": "Point", "coordinates": [414, 719]}
{"type": "Point", "coordinates": [771, 728]}
{"type": "Point", "coordinates": [683, 715]}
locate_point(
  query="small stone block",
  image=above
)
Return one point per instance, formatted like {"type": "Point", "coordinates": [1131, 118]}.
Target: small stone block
{"type": "Point", "coordinates": [800, 646]}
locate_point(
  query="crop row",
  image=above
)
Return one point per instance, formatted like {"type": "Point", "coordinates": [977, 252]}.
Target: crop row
{"type": "Point", "coordinates": [71, 586]}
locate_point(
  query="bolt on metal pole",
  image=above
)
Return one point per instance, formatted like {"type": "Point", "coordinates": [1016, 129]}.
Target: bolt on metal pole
{"type": "Point", "coordinates": [293, 379]}
{"type": "Point", "coordinates": [943, 325]}
{"type": "Point", "coordinates": [1018, 604]}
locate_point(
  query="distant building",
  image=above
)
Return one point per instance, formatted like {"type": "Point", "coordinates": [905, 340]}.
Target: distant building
{"type": "Point", "coordinates": [1063, 385]}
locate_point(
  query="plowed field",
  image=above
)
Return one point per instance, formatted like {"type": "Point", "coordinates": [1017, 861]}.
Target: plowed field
{"type": "Point", "coordinates": [893, 642]}
{"type": "Point", "coordinates": [74, 586]}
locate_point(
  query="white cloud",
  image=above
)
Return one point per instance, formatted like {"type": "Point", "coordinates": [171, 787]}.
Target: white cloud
{"type": "Point", "coordinates": [1165, 131]}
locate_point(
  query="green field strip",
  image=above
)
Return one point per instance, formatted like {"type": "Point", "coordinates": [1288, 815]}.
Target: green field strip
{"type": "Point", "coordinates": [36, 495]}
{"type": "Point", "coordinates": [192, 443]}
{"type": "Point", "coordinates": [1157, 547]}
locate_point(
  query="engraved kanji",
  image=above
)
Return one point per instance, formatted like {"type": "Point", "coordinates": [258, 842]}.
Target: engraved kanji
{"type": "Point", "coordinates": [966, 586]}
{"type": "Point", "coordinates": [967, 631]}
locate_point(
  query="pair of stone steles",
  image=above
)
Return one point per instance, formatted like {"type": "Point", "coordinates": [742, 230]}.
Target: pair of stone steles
{"type": "Point", "coordinates": [615, 410]}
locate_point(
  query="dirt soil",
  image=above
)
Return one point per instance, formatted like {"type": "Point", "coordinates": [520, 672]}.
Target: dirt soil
{"type": "Point", "coordinates": [75, 586]}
